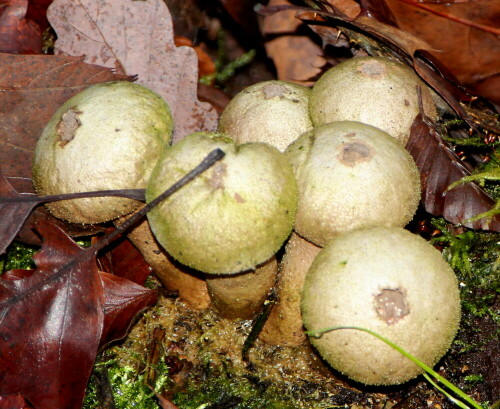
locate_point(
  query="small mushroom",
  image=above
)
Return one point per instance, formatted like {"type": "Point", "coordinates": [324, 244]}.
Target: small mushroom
{"type": "Point", "coordinates": [275, 112]}
{"type": "Point", "coordinates": [351, 175]}
{"type": "Point", "coordinates": [374, 90]}
{"type": "Point", "coordinates": [389, 281]}
{"type": "Point", "coordinates": [231, 218]}
{"type": "Point", "coordinates": [108, 136]}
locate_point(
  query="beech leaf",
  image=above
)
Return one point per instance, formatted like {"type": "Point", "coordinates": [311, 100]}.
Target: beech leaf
{"type": "Point", "coordinates": [135, 38]}
{"type": "Point", "coordinates": [124, 260]}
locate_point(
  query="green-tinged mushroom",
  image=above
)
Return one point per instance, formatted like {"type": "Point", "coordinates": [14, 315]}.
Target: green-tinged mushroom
{"type": "Point", "coordinates": [231, 218]}
{"type": "Point", "coordinates": [107, 137]}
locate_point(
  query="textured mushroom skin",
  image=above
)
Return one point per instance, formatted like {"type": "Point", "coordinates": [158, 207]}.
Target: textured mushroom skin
{"type": "Point", "coordinates": [392, 282]}
{"type": "Point", "coordinates": [108, 136]}
{"type": "Point", "coordinates": [242, 295]}
{"type": "Point", "coordinates": [351, 175]}
{"type": "Point", "coordinates": [284, 325]}
{"type": "Point", "coordinates": [231, 218]}
{"type": "Point", "coordinates": [275, 112]}
{"type": "Point", "coordinates": [373, 90]}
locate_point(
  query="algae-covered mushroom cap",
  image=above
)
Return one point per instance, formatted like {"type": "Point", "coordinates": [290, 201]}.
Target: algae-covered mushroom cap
{"type": "Point", "coordinates": [373, 90]}
{"type": "Point", "coordinates": [392, 282]}
{"type": "Point", "coordinates": [351, 175]}
{"type": "Point", "coordinates": [231, 218]}
{"type": "Point", "coordinates": [275, 112]}
{"type": "Point", "coordinates": [108, 136]}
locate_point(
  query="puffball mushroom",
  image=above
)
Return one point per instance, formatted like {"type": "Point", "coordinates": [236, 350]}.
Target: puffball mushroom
{"type": "Point", "coordinates": [351, 175]}
{"type": "Point", "coordinates": [108, 136]}
{"type": "Point", "coordinates": [275, 112]}
{"type": "Point", "coordinates": [231, 218]}
{"type": "Point", "coordinates": [373, 90]}
{"type": "Point", "coordinates": [392, 282]}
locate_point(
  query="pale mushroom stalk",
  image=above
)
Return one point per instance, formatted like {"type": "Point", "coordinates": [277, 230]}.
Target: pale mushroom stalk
{"type": "Point", "coordinates": [242, 295]}
{"type": "Point", "coordinates": [284, 325]}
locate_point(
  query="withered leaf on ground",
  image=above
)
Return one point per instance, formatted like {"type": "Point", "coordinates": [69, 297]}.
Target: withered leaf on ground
{"type": "Point", "coordinates": [439, 167]}
{"type": "Point", "coordinates": [14, 401]}
{"type": "Point", "coordinates": [33, 87]}
{"type": "Point", "coordinates": [51, 324]}
{"type": "Point", "coordinates": [124, 260]}
{"type": "Point", "coordinates": [123, 300]}
{"type": "Point", "coordinates": [18, 34]}
{"type": "Point", "coordinates": [50, 307]}
{"type": "Point", "coordinates": [13, 214]}
{"type": "Point", "coordinates": [469, 53]}
{"type": "Point", "coordinates": [135, 38]}
{"type": "Point", "coordinates": [295, 55]}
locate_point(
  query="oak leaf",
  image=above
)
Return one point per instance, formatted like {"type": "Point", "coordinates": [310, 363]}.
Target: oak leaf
{"type": "Point", "coordinates": [135, 38]}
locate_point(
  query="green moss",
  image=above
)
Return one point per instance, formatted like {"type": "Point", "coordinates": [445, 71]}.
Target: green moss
{"type": "Point", "coordinates": [18, 256]}
{"type": "Point", "coordinates": [226, 69]}
{"type": "Point", "coordinates": [129, 385]}
{"type": "Point", "coordinates": [223, 391]}
{"type": "Point", "coordinates": [475, 258]}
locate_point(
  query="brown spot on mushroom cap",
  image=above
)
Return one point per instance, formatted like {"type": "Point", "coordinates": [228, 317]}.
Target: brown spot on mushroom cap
{"type": "Point", "coordinates": [355, 152]}
{"type": "Point", "coordinates": [216, 180]}
{"type": "Point", "coordinates": [238, 198]}
{"type": "Point", "coordinates": [391, 305]}
{"type": "Point", "coordinates": [68, 125]}
{"type": "Point", "coordinates": [273, 90]}
{"type": "Point", "coordinates": [372, 69]}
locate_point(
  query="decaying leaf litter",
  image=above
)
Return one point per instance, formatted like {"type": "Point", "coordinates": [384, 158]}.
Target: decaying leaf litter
{"type": "Point", "coordinates": [463, 250]}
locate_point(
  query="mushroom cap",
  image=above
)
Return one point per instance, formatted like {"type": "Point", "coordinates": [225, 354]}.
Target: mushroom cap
{"type": "Point", "coordinates": [232, 217]}
{"type": "Point", "coordinates": [351, 175]}
{"type": "Point", "coordinates": [392, 282]}
{"type": "Point", "coordinates": [373, 90]}
{"type": "Point", "coordinates": [108, 136]}
{"type": "Point", "coordinates": [275, 112]}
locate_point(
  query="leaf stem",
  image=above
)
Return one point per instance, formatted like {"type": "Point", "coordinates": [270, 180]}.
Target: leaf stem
{"type": "Point", "coordinates": [137, 194]}
{"type": "Point", "coordinates": [207, 162]}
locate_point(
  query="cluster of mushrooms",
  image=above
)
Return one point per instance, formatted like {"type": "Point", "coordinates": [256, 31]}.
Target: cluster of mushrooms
{"type": "Point", "coordinates": [321, 172]}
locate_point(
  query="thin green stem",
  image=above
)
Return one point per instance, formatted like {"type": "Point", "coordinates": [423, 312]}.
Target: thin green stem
{"type": "Point", "coordinates": [429, 370]}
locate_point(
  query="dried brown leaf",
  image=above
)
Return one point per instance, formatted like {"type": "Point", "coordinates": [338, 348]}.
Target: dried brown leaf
{"type": "Point", "coordinates": [50, 324]}
{"type": "Point", "coordinates": [135, 38]}
{"type": "Point", "coordinates": [296, 56]}
{"type": "Point", "coordinates": [439, 167]}
{"type": "Point", "coordinates": [17, 34]}
{"type": "Point", "coordinates": [471, 54]}
{"type": "Point", "coordinates": [33, 87]}
{"type": "Point", "coordinates": [13, 214]}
